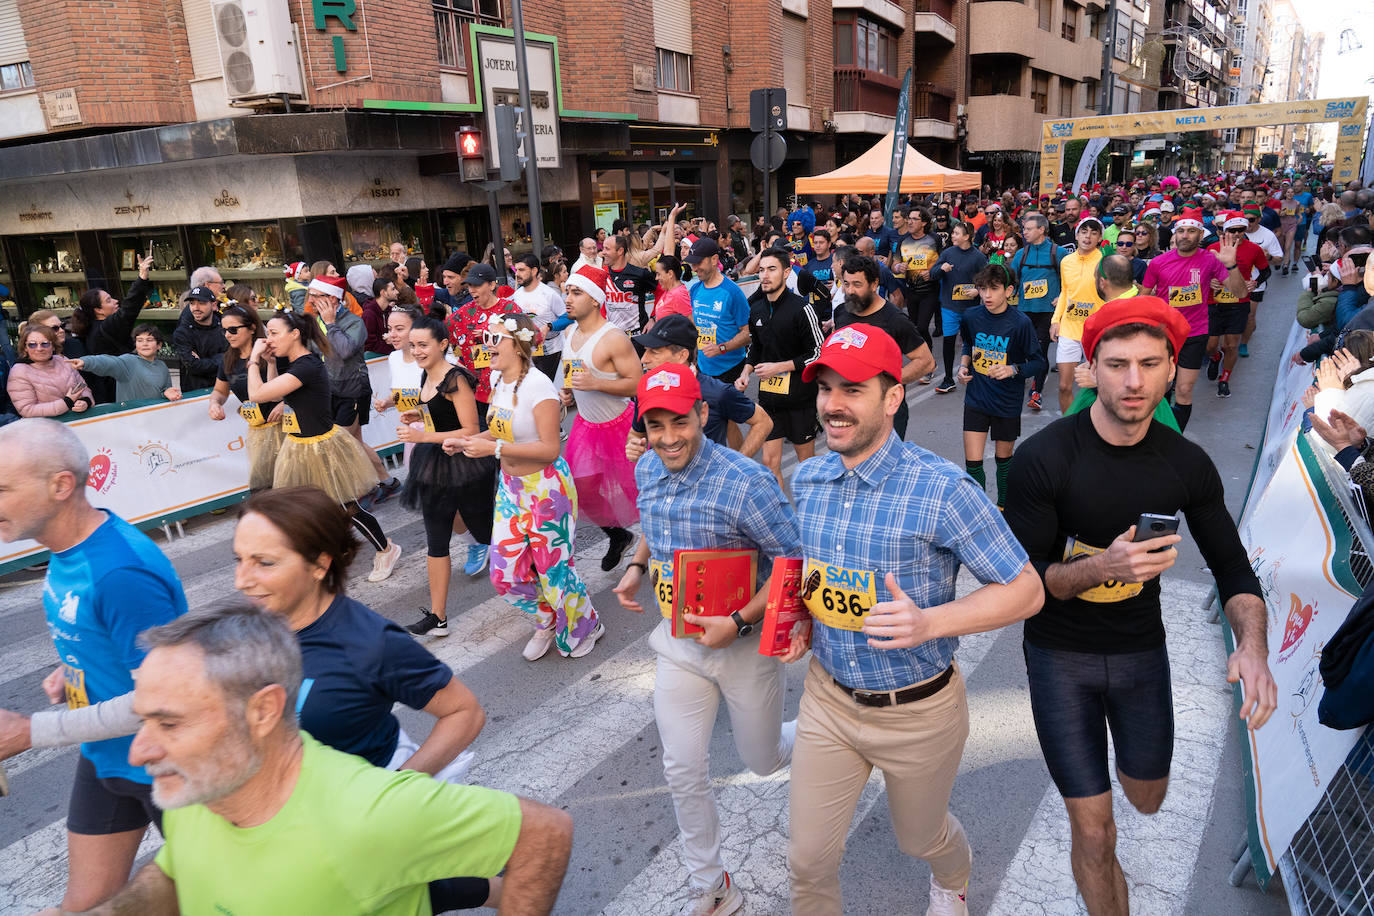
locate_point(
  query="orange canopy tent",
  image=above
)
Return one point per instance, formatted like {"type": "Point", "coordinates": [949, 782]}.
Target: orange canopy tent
{"type": "Point", "coordinates": [868, 175]}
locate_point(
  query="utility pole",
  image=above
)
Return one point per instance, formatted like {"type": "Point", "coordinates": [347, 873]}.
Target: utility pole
{"type": "Point", "coordinates": [531, 161]}
{"type": "Point", "coordinates": [1108, 52]}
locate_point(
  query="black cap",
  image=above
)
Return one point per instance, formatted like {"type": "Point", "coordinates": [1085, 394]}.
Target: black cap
{"type": "Point", "coordinates": [1118, 211]}
{"type": "Point", "coordinates": [481, 272]}
{"type": "Point", "coordinates": [701, 250]}
{"type": "Point", "coordinates": [457, 262]}
{"type": "Point", "coordinates": [201, 294]}
{"type": "Point", "coordinates": [669, 331]}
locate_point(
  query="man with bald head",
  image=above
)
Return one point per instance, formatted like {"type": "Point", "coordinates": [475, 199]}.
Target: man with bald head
{"type": "Point", "coordinates": [887, 284]}
{"type": "Point", "coordinates": [587, 254]}
{"type": "Point", "coordinates": [106, 584]}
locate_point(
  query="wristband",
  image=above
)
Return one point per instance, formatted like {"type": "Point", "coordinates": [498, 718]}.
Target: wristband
{"type": "Point", "coordinates": [643, 567]}
{"type": "Point", "coordinates": [499, 443]}
{"type": "Point", "coordinates": [70, 403]}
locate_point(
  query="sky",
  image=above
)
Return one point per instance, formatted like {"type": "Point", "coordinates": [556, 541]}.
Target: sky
{"type": "Point", "coordinates": [1342, 74]}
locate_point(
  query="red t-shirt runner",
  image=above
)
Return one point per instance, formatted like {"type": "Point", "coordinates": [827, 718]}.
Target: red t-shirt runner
{"type": "Point", "coordinates": [1250, 258]}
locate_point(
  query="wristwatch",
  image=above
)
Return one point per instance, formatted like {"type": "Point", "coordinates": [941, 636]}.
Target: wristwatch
{"type": "Point", "coordinates": [742, 628]}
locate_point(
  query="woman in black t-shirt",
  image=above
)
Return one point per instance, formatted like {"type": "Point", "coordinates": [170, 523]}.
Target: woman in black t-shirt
{"type": "Point", "coordinates": [241, 327]}
{"type": "Point", "coordinates": [315, 452]}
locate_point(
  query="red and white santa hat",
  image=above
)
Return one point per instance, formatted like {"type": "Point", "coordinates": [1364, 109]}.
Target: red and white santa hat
{"type": "Point", "coordinates": [329, 286]}
{"type": "Point", "coordinates": [592, 281]}
{"type": "Point", "coordinates": [1150, 211]}
{"type": "Point", "coordinates": [1190, 218]}
{"type": "Point", "coordinates": [1235, 220]}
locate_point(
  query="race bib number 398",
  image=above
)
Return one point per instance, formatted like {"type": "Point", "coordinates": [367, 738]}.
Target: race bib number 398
{"type": "Point", "coordinates": [838, 597]}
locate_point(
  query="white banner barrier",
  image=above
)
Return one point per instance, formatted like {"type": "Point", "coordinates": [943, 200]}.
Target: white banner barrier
{"type": "Point", "coordinates": [168, 461]}
{"type": "Point", "coordinates": [1299, 544]}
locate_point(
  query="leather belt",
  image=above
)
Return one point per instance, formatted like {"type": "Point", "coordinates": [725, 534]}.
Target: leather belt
{"type": "Point", "coordinates": [898, 697]}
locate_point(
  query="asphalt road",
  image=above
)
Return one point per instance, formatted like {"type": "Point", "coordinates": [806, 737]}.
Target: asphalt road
{"type": "Point", "coordinates": [580, 733]}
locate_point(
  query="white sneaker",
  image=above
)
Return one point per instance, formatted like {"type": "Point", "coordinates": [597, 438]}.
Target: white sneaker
{"type": "Point", "coordinates": [588, 642]}
{"type": "Point", "coordinates": [539, 644]}
{"type": "Point", "coordinates": [384, 562]}
{"type": "Point", "coordinates": [946, 902]}
{"type": "Point", "coordinates": [720, 902]}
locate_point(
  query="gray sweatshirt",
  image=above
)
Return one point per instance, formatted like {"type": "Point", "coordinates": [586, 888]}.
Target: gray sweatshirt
{"type": "Point", "coordinates": [135, 377]}
{"type": "Point", "coordinates": [347, 368]}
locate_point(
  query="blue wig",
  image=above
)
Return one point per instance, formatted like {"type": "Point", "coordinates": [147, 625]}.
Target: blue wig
{"type": "Point", "coordinates": [802, 215]}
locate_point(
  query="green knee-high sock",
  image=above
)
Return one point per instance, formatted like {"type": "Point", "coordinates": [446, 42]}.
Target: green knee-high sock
{"type": "Point", "coordinates": [1003, 469]}
{"type": "Point", "coordinates": [975, 470]}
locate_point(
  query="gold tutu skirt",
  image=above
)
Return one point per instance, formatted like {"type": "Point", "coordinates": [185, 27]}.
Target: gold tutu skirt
{"type": "Point", "coordinates": [264, 442]}
{"type": "Point", "coordinates": [334, 462]}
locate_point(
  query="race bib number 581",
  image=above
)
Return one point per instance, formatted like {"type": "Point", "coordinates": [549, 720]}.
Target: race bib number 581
{"type": "Point", "coordinates": [838, 597]}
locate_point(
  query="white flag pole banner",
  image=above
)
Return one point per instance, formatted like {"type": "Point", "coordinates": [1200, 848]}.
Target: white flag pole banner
{"type": "Point", "coordinates": [1298, 541]}
{"type": "Point", "coordinates": [169, 461]}
{"type": "Point", "coordinates": [1091, 151]}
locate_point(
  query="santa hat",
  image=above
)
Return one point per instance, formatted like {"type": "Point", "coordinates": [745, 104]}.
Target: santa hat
{"type": "Point", "coordinates": [1210, 197]}
{"type": "Point", "coordinates": [1235, 220]}
{"type": "Point", "coordinates": [1191, 218]}
{"type": "Point", "coordinates": [329, 286]}
{"type": "Point", "coordinates": [1150, 211]}
{"type": "Point", "coordinates": [293, 270]}
{"type": "Point", "coordinates": [592, 281]}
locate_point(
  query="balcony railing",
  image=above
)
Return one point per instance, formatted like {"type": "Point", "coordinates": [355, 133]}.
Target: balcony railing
{"type": "Point", "coordinates": [857, 89]}
{"type": "Point", "coordinates": [929, 100]}
{"type": "Point", "coordinates": [942, 8]}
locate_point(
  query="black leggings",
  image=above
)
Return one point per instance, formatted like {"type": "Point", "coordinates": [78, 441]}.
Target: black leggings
{"type": "Point", "coordinates": [367, 525]}
{"type": "Point", "coordinates": [1041, 322]}
{"type": "Point", "coordinates": [476, 504]}
{"type": "Point", "coordinates": [924, 310]}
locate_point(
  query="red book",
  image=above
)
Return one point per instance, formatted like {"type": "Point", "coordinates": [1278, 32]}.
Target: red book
{"type": "Point", "coordinates": [785, 618]}
{"type": "Point", "coordinates": [711, 583]}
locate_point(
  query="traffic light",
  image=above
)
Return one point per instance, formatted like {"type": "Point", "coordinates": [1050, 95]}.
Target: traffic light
{"type": "Point", "coordinates": [473, 154]}
{"type": "Point", "coordinates": [510, 147]}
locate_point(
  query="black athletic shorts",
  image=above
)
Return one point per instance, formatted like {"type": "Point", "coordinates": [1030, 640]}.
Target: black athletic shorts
{"type": "Point", "coordinates": [1227, 320]}
{"type": "Point", "coordinates": [1256, 296]}
{"type": "Point", "coordinates": [99, 807]}
{"type": "Point", "coordinates": [1002, 429]}
{"type": "Point", "coordinates": [348, 409]}
{"type": "Point", "coordinates": [1077, 696]}
{"type": "Point", "coordinates": [1193, 353]}
{"type": "Point", "coordinates": [797, 425]}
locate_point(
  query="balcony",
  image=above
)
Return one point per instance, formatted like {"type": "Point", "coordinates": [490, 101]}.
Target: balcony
{"type": "Point", "coordinates": [1010, 27]}
{"type": "Point", "coordinates": [866, 102]}
{"type": "Point", "coordinates": [932, 111]}
{"type": "Point", "coordinates": [1003, 122]}
{"type": "Point", "coordinates": [934, 18]}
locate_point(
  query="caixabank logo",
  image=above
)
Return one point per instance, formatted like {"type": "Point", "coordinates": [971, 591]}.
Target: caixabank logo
{"type": "Point", "coordinates": [1339, 109]}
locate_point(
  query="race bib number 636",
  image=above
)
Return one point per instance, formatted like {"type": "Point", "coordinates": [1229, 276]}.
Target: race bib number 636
{"type": "Point", "coordinates": [838, 597]}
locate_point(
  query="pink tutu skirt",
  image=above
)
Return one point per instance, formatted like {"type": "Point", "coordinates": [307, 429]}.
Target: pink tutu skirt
{"type": "Point", "coordinates": [605, 478]}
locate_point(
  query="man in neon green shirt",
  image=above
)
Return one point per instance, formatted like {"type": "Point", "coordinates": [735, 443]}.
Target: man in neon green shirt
{"type": "Point", "coordinates": [262, 818]}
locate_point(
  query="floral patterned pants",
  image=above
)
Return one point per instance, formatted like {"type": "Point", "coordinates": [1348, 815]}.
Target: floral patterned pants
{"type": "Point", "coordinates": [532, 553]}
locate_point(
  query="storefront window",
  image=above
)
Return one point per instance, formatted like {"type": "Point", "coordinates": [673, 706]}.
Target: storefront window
{"type": "Point", "coordinates": [641, 210]}
{"type": "Point", "coordinates": [608, 197]}
{"type": "Point", "coordinates": [453, 236]}
{"type": "Point", "coordinates": [249, 253]}
{"type": "Point", "coordinates": [168, 272]}
{"type": "Point", "coordinates": [367, 239]}
{"type": "Point", "coordinates": [55, 270]}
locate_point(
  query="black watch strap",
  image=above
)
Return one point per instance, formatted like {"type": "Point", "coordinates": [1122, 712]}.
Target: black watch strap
{"type": "Point", "coordinates": [742, 628]}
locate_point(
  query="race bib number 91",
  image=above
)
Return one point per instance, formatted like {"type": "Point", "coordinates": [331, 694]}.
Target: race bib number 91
{"type": "Point", "coordinates": [1107, 592]}
{"type": "Point", "coordinates": [838, 597]}
{"type": "Point", "coordinates": [501, 424]}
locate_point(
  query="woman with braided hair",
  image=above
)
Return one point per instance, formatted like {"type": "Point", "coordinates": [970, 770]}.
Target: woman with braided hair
{"type": "Point", "coordinates": [536, 500]}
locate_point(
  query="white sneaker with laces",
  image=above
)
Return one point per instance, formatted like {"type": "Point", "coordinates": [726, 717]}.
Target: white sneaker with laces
{"type": "Point", "coordinates": [944, 902]}
{"type": "Point", "coordinates": [588, 642]}
{"type": "Point", "coordinates": [384, 562]}
{"type": "Point", "coordinates": [719, 902]}
{"type": "Point", "coordinates": [538, 645]}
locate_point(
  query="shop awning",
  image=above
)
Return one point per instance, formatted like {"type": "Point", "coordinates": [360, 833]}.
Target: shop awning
{"type": "Point", "coordinates": [868, 175]}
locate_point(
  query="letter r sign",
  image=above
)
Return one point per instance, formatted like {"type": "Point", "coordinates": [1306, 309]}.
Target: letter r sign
{"type": "Point", "coordinates": [341, 10]}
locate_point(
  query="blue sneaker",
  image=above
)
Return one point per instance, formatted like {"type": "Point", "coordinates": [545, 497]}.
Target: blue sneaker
{"type": "Point", "coordinates": [477, 559]}
{"type": "Point", "coordinates": [1244, 351]}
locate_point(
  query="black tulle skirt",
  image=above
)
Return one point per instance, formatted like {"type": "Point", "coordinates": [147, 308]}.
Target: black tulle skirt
{"type": "Point", "coordinates": [436, 477]}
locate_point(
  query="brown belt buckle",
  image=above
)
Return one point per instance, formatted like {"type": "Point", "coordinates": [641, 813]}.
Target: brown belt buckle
{"type": "Point", "coordinates": [872, 698]}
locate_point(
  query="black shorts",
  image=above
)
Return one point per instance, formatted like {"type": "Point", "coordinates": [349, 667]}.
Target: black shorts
{"type": "Point", "coordinates": [348, 409]}
{"type": "Point", "coordinates": [1227, 320]}
{"type": "Point", "coordinates": [100, 807]}
{"type": "Point", "coordinates": [1193, 353]}
{"type": "Point", "coordinates": [1003, 429]}
{"type": "Point", "coordinates": [1077, 696]}
{"type": "Point", "coordinates": [1256, 296]}
{"type": "Point", "coordinates": [797, 425]}
{"type": "Point", "coordinates": [729, 375]}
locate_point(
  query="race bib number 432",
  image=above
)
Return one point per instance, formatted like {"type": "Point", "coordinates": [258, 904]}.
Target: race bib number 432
{"type": "Point", "coordinates": [838, 597]}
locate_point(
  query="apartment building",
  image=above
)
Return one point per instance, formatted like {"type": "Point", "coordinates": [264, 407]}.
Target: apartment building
{"type": "Point", "coordinates": [1252, 30]}
{"type": "Point", "coordinates": [1294, 57]}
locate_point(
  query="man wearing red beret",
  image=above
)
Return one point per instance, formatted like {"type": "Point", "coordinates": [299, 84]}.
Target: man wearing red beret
{"type": "Point", "coordinates": [1095, 654]}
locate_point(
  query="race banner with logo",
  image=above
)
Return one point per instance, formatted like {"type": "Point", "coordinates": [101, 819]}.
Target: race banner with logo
{"type": "Point", "coordinates": [168, 460]}
{"type": "Point", "coordinates": [1299, 544]}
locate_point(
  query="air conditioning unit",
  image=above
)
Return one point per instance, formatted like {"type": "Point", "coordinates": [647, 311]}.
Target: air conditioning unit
{"type": "Point", "coordinates": [257, 49]}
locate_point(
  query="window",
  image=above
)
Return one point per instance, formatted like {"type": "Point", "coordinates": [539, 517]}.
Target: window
{"type": "Point", "coordinates": [16, 76]}
{"type": "Point", "coordinates": [865, 44]}
{"type": "Point", "coordinates": [1132, 99]}
{"type": "Point", "coordinates": [449, 19]}
{"type": "Point", "coordinates": [1122, 49]}
{"type": "Point", "coordinates": [997, 74]}
{"type": "Point", "coordinates": [1068, 29]}
{"type": "Point", "coordinates": [794, 57]}
{"type": "Point", "coordinates": [1138, 43]}
{"type": "Point", "coordinates": [674, 71]}
{"type": "Point", "coordinates": [1066, 88]}
{"type": "Point", "coordinates": [1046, 10]}
{"type": "Point", "coordinates": [1092, 89]}
{"type": "Point", "coordinates": [1095, 21]}
{"type": "Point", "coordinates": [1040, 91]}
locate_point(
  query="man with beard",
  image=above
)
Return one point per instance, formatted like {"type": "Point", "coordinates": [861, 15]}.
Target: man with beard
{"type": "Point", "coordinates": [1183, 277]}
{"type": "Point", "coordinates": [862, 303]}
{"type": "Point", "coordinates": [627, 286]}
{"type": "Point", "coordinates": [885, 527]}
{"type": "Point", "coordinates": [106, 583]}
{"type": "Point", "coordinates": [320, 831]}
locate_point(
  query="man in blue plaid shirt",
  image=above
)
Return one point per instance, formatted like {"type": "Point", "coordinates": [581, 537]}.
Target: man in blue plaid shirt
{"type": "Point", "coordinates": [696, 494]}
{"type": "Point", "coordinates": [885, 525]}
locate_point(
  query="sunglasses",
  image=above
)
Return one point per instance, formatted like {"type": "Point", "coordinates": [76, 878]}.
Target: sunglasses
{"type": "Point", "coordinates": [232, 328]}
{"type": "Point", "coordinates": [38, 345]}
{"type": "Point", "coordinates": [492, 341]}
{"type": "Point", "coordinates": [1124, 242]}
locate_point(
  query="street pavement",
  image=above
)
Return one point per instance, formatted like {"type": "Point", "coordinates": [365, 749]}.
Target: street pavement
{"type": "Point", "coordinates": [580, 733]}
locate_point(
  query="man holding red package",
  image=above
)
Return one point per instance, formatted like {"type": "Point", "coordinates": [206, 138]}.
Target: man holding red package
{"type": "Point", "coordinates": [697, 495]}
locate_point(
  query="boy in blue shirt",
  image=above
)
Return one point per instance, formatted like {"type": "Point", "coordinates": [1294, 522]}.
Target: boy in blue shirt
{"type": "Point", "coordinates": [1001, 351]}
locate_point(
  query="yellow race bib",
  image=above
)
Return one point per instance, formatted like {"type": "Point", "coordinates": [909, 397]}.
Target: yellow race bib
{"type": "Point", "coordinates": [481, 357]}
{"type": "Point", "coordinates": [1224, 296]}
{"type": "Point", "coordinates": [290, 423]}
{"type": "Point", "coordinates": [661, 575]}
{"type": "Point", "coordinates": [74, 686]}
{"type": "Point", "coordinates": [705, 336]}
{"type": "Point", "coordinates": [984, 360]}
{"type": "Point", "coordinates": [572, 367]}
{"type": "Point", "coordinates": [252, 413]}
{"type": "Point", "coordinates": [427, 418]}
{"type": "Point", "coordinates": [539, 348]}
{"type": "Point", "coordinates": [406, 398]}
{"type": "Point", "coordinates": [964, 291]}
{"type": "Point", "coordinates": [1035, 289]}
{"type": "Point", "coordinates": [777, 384]}
{"type": "Point", "coordinates": [1182, 297]}
{"type": "Point", "coordinates": [1107, 592]}
{"type": "Point", "coordinates": [502, 423]}
{"type": "Point", "coordinates": [838, 597]}
{"type": "Point", "coordinates": [919, 261]}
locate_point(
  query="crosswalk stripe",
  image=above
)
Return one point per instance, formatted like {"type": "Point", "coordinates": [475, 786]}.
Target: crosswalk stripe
{"type": "Point", "coordinates": [29, 655]}
{"type": "Point", "coordinates": [33, 871]}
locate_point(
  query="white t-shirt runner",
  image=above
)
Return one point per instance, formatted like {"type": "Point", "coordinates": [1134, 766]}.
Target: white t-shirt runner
{"type": "Point", "coordinates": [511, 416]}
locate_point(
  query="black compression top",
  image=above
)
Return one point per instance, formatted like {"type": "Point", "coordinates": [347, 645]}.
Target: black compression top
{"type": "Point", "coordinates": [441, 409]}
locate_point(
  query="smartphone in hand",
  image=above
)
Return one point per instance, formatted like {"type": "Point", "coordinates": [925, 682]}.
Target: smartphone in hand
{"type": "Point", "coordinates": [1150, 526]}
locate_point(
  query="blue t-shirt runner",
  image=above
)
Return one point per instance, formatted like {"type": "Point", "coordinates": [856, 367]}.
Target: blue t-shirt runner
{"type": "Point", "coordinates": [719, 312]}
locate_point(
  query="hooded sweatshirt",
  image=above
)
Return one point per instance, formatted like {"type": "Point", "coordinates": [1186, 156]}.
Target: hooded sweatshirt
{"type": "Point", "coordinates": [206, 342]}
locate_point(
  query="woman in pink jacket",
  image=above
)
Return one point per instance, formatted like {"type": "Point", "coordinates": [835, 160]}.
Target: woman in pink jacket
{"type": "Point", "coordinates": [43, 383]}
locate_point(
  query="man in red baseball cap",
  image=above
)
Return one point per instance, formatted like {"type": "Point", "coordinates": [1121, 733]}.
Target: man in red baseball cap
{"type": "Point", "coordinates": [885, 524]}
{"type": "Point", "coordinates": [1094, 499]}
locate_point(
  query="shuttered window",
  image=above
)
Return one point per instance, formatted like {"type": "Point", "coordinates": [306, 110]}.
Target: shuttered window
{"type": "Point", "coordinates": [200, 33]}
{"type": "Point", "coordinates": [794, 58]}
{"type": "Point", "coordinates": [673, 25]}
{"type": "Point", "coordinates": [13, 47]}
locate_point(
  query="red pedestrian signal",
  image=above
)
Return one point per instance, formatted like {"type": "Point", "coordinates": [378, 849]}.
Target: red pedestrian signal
{"type": "Point", "coordinates": [470, 143]}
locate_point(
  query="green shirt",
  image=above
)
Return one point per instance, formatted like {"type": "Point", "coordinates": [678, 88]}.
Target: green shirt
{"type": "Point", "coordinates": [135, 377]}
{"type": "Point", "coordinates": [351, 839]}
{"type": "Point", "coordinates": [1086, 396]}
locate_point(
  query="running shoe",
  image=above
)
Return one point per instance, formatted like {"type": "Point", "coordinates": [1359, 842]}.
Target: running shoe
{"type": "Point", "coordinates": [945, 902]}
{"type": "Point", "coordinates": [1214, 366]}
{"type": "Point", "coordinates": [384, 562]}
{"type": "Point", "coordinates": [538, 645]}
{"type": "Point", "coordinates": [946, 386]}
{"type": "Point", "coordinates": [719, 902]}
{"type": "Point", "coordinates": [429, 625]}
{"type": "Point", "coordinates": [621, 539]}
{"type": "Point", "coordinates": [1034, 401]}
{"type": "Point", "coordinates": [477, 559]}
{"type": "Point", "coordinates": [588, 642]}
{"type": "Point", "coordinates": [927, 378]}
{"type": "Point", "coordinates": [1244, 351]}
{"type": "Point", "coordinates": [1223, 389]}
{"type": "Point", "coordinates": [386, 490]}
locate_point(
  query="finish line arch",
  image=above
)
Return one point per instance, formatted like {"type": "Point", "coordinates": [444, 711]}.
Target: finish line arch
{"type": "Point", "coordinates": [1348, 114]}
